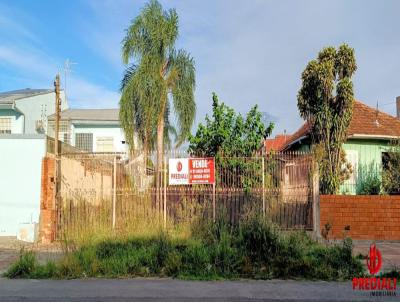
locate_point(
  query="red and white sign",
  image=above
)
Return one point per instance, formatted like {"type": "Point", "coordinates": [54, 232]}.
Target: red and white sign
{"type": "Point", "coordinates": [187, 171]}
{"type": "Point", "coordinates": [178, 171]}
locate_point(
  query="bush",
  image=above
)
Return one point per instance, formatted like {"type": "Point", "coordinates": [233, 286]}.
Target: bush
{"type": "Point", "coordinates": [24, 267]}
{"type": "Point", "coordinates": [391, 169]}
{"type": "Point", "coordinates": [28, 267]}
{"type": "Point", "coordinates": [254, 249]}
{"type": "Point", "coordinates": [370, 186]}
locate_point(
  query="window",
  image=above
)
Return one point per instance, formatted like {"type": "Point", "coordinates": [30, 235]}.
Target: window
{"type": "Point", "coordinates": [5, 125]}
{"type": "Point", "coordinates": [84, 141]}
{"type": "Point", "coordinates": [386, 160]}
{"type": "Point", "coordinates": [105, 144]}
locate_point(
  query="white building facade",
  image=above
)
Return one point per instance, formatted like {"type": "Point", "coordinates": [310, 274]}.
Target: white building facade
{"type": "Point", "coordinates": [90, 130]}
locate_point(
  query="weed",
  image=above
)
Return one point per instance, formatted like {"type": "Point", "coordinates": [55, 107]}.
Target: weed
{"type": "Point", "coordinates": [254, 249]}
{"type": "Point", "coordinates": [24, 267]}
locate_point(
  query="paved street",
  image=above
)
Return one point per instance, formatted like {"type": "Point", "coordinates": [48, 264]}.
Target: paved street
{"type": "Point", "coordinates": [175, 290]}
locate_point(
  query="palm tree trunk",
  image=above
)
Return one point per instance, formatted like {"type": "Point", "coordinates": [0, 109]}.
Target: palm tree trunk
{"type": "Point", "coordinates": [160, 151]}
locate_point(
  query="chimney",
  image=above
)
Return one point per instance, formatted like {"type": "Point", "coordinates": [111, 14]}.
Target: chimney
{"type": "Point", "coordinates": [398, 107]}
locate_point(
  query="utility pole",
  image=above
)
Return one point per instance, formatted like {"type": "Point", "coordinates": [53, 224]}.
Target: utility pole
{"type": "Point", "coordinates": [57, 120]}
{"type": "Point", "coordinates": [56, 150]}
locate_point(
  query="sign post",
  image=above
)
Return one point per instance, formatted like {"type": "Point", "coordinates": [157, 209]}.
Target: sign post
{"type": "Point", "coordinates": [214, 210]}
{"type": "Point", "coordinates": [114, 199]}
{"type": "Point", "coordinates": [263, 186]}
{"type": "Point", "coordinates": [165, 192]}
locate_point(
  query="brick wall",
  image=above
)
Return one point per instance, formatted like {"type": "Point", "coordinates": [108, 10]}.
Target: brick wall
{"type": "Point", "coordinates": [364, 217]}
{"type": "Point", "coordinates": [47, 210]}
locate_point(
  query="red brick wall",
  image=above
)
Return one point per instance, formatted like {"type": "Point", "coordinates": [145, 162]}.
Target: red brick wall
{"type": "Point", "coordinates": [47, 210]}
{"type": "Point", "coordinates": [367, 217]}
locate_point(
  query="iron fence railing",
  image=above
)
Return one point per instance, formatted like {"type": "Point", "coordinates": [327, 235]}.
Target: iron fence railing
{"type": "Point", "coordinates": [114, 189]}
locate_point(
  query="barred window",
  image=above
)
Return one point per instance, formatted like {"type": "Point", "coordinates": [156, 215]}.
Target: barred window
{"type": "Point", "coordinates": [63, 132]}
{"type": "Point", "coordinates": [105, 144]}
{"type": "Point", "coordinates": [5, 125]}
{"type": "Point", "coordinates": [84, 141]}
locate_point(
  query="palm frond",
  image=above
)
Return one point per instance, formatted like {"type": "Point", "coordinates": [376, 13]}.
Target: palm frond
{"type": "Point", "coordinates": [183, 93]}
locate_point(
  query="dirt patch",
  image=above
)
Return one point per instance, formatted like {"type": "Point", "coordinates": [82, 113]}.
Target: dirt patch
{"type": "Point", "coordinates": [10, 249]}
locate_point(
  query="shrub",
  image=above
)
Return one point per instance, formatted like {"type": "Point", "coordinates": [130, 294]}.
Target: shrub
{"type": "Point", "coordinates": [391, 169]}
{"type": "Point", "coordinates": [370, 185]}
{"type": "Point", "coordinates": [196, 260]}
{"type": "Point", "coordinates": [173, 264]}
{"type": "Point", "coordinates": [258, 238]}
{"type": "Point", "coordinates": [254, 249]}
{"type": "Point", "coordinates": [24, 267]}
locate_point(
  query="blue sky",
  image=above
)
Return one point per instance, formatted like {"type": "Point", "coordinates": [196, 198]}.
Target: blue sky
{"type": "Point", "coordinates": [248, 52]}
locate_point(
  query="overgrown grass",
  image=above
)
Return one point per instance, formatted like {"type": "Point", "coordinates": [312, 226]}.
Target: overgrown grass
{"type": "Point", "coordinates": [254, 249]}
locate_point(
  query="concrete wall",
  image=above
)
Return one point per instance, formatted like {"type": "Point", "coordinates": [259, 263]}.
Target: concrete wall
{"type": "Point", "coordinates": [360, 217]}
{"type": "Point", "coordinates": [20, 178]}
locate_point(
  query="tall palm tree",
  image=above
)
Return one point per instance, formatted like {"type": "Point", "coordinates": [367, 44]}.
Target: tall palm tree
{"type": "Point", "coordinates": [160, 78]}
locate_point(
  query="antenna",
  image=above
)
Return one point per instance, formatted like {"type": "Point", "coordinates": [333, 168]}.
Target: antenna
{"type": "Point", "coordinates": [67, 70]}
{"type": "Point", "coordinates": [377, 111]}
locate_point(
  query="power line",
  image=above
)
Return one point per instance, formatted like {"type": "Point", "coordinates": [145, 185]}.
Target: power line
{"type": "Point", "coordinates": [386, 104]}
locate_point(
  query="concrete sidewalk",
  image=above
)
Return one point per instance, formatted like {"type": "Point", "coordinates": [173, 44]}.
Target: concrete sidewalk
{"type": "Point", "coordinates": [390, 251]}
{"type": "Point", "coordinates": [10, 249]}
{"type": "Point", "coordinates": [176, 290]}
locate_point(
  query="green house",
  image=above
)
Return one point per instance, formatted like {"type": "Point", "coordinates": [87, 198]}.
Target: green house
{"type": "Point", "coordinates": [368, 141]}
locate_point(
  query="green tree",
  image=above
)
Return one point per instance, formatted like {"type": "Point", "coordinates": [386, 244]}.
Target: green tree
{"type": "Point", "coordinates": [326, 100]}
{"type": "Point", "coordinates": [230, 138]}
{"type": "Point", "coordinates": [391, 169]}
{"type": "Point", "coordinates": [159, 78]}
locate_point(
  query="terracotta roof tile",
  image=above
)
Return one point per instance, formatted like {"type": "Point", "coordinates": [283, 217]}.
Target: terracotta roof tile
{"type": "Point", "coordinates": [275, 144]}
{"type": "Point", "coordinates": [366, 121]}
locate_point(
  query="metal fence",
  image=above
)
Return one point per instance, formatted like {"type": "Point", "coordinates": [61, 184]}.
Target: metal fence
{"type": "Point", "coordinates": [115, 190]}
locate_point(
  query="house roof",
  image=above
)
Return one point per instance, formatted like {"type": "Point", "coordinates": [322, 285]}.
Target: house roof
{"type": "Point", "coordinates": [366, 122]}
{"type": "Point", "coordinates": [275, 144]}
{"type": "Point", "coordinates": [88, 115]}
{"type": "Point", "coordinates": [8, 97]}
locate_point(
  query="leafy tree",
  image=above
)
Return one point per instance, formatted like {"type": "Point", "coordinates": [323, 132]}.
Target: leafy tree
{"type": "Point", "coordinates": [159, 74]}
{"type": "Point", "coordinates": [326, 100]}
{"type": "Point", "coordinates": [230, 138]}
{"type": "Point", "coordinates": [391, 170]}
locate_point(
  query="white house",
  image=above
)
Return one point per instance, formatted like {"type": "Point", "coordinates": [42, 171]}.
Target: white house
{"type": "Point", "coordinates": [25, 111]}
{"type": "Point", "coordinates": [23, 118]}
{"type": "Point", "coordinates": [91, 130]}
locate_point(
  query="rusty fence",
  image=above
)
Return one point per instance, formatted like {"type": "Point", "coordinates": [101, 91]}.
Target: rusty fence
{"type": "Point", "coordinates": [113, 190]}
